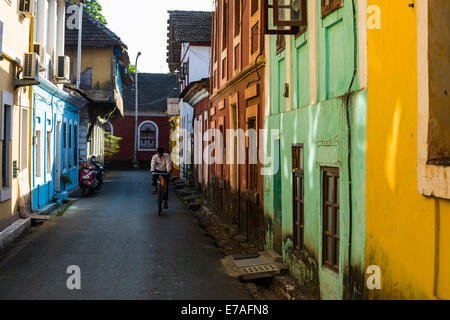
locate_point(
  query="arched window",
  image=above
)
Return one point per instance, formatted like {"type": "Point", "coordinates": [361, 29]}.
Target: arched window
{"type": "Point", "coordinates": [148, 136]}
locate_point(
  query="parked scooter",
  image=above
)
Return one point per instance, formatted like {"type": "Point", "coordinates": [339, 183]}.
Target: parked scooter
{"type": "Point", "coordinates": [98, 172]}
{"type": "Point", "coordinates": [91, 177]}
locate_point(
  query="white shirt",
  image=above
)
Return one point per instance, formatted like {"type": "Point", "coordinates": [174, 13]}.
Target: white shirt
{"type": "Point", "coordinates": [162, 164]}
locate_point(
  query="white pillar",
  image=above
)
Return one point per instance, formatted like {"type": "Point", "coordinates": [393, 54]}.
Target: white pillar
{"type": "Point", "coordinates": [42, 22]}
{"type": "Point", "coordinates": [52, 30]}
{"type": "Point", "coordinates": [60, 43]}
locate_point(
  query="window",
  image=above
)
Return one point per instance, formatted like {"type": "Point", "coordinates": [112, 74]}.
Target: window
{"type": "Point", "coordinates": [216, 36]}
{"type": "Point", "coordinates": [186, 71]}
{"type": "Point", "coordinates": [289, 12]}
{"type": "Point", "coordinates": [224, 152]}
{"type": "Point", "coordinates": [237, 56]}
{"type": "Point", "coordinates": [24, 140]}
{"type": "Point", "coordinates": [70, 145]}
{"type": "Point", "coordinates": [329, 6]}
{"type": "Point", "coordinates": [289, 16]}
{"type": "Point", "coordinates": [237, 17]}
{"type": "Point", "coordinates": [224, 25]}
{"type": "Point", "coordinates": [298, 197]}
{"type": "Point", "coordinates": [224, 68]}
{"type": "Point", "coordinates": [255, 6]}
{"type": "Point", "coordinates": [86, 79]}
{"type": "Point", "coordinates": [330, 221]}
{"type": "Point", "coordinates": [148, 136]}
{"type": "Point", "coordinates": [38, 154]}
{"type": "Point", "coordinates": [254, 39]}
{"type": "Point", "coordinates": [7, 102]}
{"type": "Point", "coordinates": [252, 167]}
{"type": "Point", "coordinates": [64, 145]}
{"type": "Point", "coordinates": [433, 130]}
{"type": "Point", "coordinates": [49, 153]}
{"type": "Point", "coordinates": [75, 145]}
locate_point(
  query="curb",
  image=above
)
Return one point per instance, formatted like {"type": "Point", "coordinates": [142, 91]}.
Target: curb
{"type": "Point", "coordinates": [14, 231]}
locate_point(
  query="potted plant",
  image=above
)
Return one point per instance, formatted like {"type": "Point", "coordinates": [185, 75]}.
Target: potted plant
{"type": "Point", "coordinates": [65, 180]}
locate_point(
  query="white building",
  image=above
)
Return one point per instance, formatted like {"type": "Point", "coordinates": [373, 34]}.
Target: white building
{"type": "Point", "coordinates": [189, 56]}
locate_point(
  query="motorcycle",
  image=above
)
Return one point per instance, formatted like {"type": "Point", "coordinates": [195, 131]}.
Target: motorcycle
{"type": "Point", "coordinates": [98, 172]}
{"type": "Point", "coordinates": [91, 177]}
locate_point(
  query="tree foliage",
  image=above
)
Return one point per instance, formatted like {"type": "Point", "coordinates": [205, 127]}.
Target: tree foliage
{"type": "Point", "coordinates": [94, 9]}
{"type": "Point", "coordinates": [112, 146]}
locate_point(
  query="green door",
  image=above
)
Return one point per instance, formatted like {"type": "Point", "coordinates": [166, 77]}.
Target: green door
{"type": "Point", "coordinates": [277, 222]}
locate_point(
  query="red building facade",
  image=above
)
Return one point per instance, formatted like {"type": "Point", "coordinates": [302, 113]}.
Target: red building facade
{"type": "Point", "coordinates": [237, 103]}
{"type": "Point", "coordinates": [153, 122]}
{"type": "Point", "coordinates": [149, 128]}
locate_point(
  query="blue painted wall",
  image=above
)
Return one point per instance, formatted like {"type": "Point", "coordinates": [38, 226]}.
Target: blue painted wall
{"type": "Point", "coordinates": [48, 110]}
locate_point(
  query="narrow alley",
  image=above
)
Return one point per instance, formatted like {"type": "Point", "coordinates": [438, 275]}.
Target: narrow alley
{"type": "Point", "coordinates": [123, 248]}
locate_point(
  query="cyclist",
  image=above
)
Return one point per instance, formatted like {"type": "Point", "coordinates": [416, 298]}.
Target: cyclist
{"type": "Point", "coordinates": [161, 163]}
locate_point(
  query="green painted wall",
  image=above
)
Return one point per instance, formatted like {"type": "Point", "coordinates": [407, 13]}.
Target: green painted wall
{"type": "Point", "coordinates": [300, 54]}
{"type": "Point", "coordinates": [335, 39]}
{"type": "Point", "coordinates": [322, 128]}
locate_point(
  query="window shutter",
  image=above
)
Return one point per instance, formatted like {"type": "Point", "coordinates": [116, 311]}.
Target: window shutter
{"type": "Point", "coordinates": [273, 25]}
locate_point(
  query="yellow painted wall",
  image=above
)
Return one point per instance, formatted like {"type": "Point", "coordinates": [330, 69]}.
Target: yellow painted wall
{"type": "Point", "coordinates": [15, 44]}
{"type": "Point", "coordinates": [99, 59]}
{"type": "Point", "coordinates": [407, 234]}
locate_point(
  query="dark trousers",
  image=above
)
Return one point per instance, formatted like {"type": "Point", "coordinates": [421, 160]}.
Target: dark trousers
{"type": "Point", "coordinates": [166, 179]}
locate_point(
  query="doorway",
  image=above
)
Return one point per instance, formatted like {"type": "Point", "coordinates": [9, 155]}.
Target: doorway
{"type": "Point", "coordinates": [277, 200]}
{"type": "Point", "coordinates": [58, 157]}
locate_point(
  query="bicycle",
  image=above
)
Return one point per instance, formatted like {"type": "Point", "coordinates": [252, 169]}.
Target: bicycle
{"type": "Point", "coordinates": [161, 189]}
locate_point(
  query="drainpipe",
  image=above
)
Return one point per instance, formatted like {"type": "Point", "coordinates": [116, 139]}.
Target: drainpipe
{"type": "Point", "coordinates": [80, 32]}
{"type": "Point", "coordinates": [349, 155]}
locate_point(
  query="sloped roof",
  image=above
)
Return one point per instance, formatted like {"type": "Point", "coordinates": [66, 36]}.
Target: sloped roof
{"type": "Point", "coordinates": [193, 88]}
{"type": "Point", "coordinates": [95, 34]}
{"type": "Point", "coordinates": [186, 27]}
{"type": "Point", "coordinates": [154, 90]}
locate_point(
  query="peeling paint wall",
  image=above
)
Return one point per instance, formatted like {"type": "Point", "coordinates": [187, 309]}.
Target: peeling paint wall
{"type": "Point", "coordinates": [321, 59]}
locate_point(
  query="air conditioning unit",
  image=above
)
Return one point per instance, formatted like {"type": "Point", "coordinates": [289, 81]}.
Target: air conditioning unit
{"type": "Point", "coordinates": [63, 69]}
{"type": "Point", "coordinates": [26, 8]}
{"type": "Point", "coordinates": [31, 66]}
{"type": "Point", "coordinates": [40, 50]}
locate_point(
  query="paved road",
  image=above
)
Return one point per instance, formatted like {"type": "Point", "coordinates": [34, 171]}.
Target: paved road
{"type": "Point", "coordinates": [124, 250]}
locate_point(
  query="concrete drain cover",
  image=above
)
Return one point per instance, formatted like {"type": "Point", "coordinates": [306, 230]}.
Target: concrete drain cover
{"type": "Point", "coordinates": [256, 268]}
{"type": "Point", "coordinates": [257, 272]}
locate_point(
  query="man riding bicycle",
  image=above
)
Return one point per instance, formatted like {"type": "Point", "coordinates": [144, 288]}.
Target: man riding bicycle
{"type": "Point", "coordinates": [161, 163]}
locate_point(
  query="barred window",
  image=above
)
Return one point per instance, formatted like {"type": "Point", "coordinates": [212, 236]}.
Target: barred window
{"type": "Point", "coordinates": [330, 213]}
{"type": "Point", "coordinates": [298, 197]}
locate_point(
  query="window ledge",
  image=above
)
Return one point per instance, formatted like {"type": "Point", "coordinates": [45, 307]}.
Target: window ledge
{"type": "Point", "coordinates": [439, 162]}
{"type": "Point", "coordinates": [434, 181]}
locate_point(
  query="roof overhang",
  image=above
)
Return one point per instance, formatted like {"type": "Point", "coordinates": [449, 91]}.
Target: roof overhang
{"type": "Point", "coordinates": [196, 92]}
